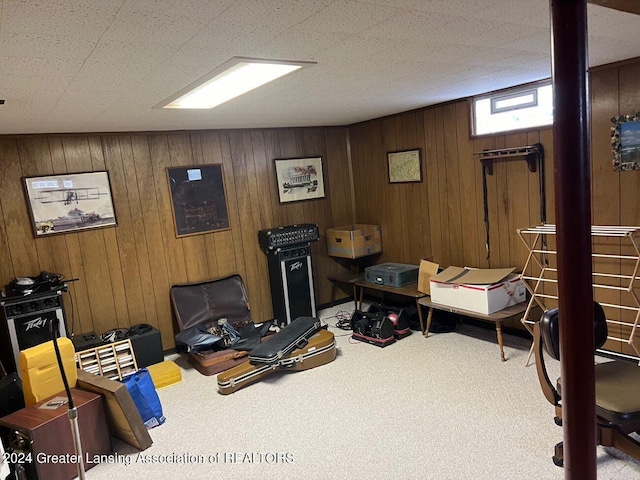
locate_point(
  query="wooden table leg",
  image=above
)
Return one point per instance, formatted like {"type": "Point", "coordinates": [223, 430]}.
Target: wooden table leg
{"type": "Point", "coordinates": [425, 331]}
{"type": "Point", "coordinates": [355, 296]}
{"type": "Point", "coordinates": [420, 316]}
{"type": "Point", "coordinates": [361, 297]}
{"type": "Point", "coordinates": [333, 291]}
{"type": "Point", "coordinates": [429, 319]}
{"type": "Point", "coordinates": [500, 344]}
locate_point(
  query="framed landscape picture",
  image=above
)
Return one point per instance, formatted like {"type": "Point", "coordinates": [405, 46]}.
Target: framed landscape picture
{"type": "Point", "coordinates": [69, 202]}
{"type": "Point", "coordinates": [625, 142]}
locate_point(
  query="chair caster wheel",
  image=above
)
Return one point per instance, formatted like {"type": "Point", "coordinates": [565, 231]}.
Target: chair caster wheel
{"type": "Point", "coordinates": [558, 457]}
{"type": "Point", "coordinates": [557, 421]}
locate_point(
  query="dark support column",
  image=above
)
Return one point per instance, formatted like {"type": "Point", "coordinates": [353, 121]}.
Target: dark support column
{"type": "Point", "coordinates": [573, 219]}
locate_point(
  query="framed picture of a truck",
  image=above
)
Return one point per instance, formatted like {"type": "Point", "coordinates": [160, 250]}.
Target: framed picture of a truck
{"type": "Point", "coordinates": [299, 179]}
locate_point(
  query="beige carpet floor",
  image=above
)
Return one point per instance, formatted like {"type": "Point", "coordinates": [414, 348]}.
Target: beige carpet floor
{"type": "Point", "coordinates": [443, 407]}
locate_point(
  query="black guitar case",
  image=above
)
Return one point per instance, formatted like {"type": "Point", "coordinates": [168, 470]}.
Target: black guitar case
{"type": "Point", "coordinates": [295, 335]}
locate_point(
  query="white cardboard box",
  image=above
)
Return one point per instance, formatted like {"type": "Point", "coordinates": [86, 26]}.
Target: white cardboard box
{"type": "Point", "coordinates": [499, 289]}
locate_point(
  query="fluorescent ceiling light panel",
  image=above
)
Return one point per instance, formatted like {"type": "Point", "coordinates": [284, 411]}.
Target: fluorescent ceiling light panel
{"type": "Point", "coordinates": [230, 80]}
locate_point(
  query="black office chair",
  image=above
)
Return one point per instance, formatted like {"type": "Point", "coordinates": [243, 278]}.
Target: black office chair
{"type": "Point", "coordinates": [617, 387]}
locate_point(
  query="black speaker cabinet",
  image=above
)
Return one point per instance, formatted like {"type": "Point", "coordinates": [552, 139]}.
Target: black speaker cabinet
{"type": "Point", "coordinates": [11, 396]}
{"type": "Point", "coordinates": [291, 280]}
{"type": "Point", "coordinates": [147, 345]}
{"type": "Point", "coordinates": [42, 431]}
{"type": "Point", "coordinates": [26, 322]}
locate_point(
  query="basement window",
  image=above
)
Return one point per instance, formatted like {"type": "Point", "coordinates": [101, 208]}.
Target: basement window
{"type": "Point", "coordinates": [516, 108]}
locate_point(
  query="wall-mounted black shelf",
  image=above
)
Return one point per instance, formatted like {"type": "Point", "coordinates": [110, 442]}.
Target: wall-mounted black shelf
{"type": "Point", "coordinates": [533, 154]}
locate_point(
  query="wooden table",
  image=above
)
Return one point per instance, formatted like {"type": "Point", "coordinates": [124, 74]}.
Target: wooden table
{"type": "Point", "coordinates": [347, 278]}
{"type": "Point", "coordinates": [410, 290]}
{"type": "Point", "coordinates": [496, 317]}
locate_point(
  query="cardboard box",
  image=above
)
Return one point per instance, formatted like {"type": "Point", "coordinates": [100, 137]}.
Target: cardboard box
{"type": "Point", "coordinates": [354, 241]}
{"type": "Point", "coordinates": [427, 270]}
{"type": "Point", "coordinates": [477, 290]}
{"type": "Point", "coordinates": [123, 416]}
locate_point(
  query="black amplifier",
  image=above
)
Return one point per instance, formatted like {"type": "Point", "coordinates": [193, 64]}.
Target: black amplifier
{"type": "Point", "coordinates": [146, 342]}
{"type": "Point", "coordinates": [26, 322]}
{"type": "Point", "coordinates": [147, 345]}
{"type": "Point", "coordinates": [295, 252]}
{"type": "Point", "coordinates": [274, 238]}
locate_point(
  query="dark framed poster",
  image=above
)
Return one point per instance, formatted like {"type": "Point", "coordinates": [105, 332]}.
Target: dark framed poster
{"type": "Point", "coordinates": [198, 199]}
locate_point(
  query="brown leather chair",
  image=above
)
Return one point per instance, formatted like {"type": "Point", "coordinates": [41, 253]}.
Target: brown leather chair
{"type": "Point", "coordinates": [208, 301]}
{"type": "Point", "coordinates": [617, 386]}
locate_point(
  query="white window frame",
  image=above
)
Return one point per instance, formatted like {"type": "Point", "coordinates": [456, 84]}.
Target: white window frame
{"type": "Point", "coordinates": [497, 98]}
{"type": "Point", "coordinates": [491, 107]}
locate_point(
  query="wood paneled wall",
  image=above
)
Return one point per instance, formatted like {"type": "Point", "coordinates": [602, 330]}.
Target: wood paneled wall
{"type": "Point", "coordinates": [125, 272]}
{"type": "Point", "coordinates": [443, 217]}
{"type": "Point", "coordinates": [616, 195]}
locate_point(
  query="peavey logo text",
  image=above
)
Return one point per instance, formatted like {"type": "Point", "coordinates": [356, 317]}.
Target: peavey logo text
{"type": "Point", "coordinates": [295, 266]}
{"type": "Point", "coordinates": [35, 323]}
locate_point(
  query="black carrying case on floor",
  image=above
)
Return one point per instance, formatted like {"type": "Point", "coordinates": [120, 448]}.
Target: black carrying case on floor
{"type": "Point", "coordinates": [374, 328]}
{"type": "Point", "coordinates": [441, 322]}
{"type": "Point", "coordinates": [402, 324]}
{"type": "Point", "coordinates": [295, 335]}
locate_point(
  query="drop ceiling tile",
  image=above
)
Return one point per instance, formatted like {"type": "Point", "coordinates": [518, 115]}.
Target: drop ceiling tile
{"type": "Point", "coordinates": [465, 30]}
{"type": "Point", "coordinates": [410, 25]}
{"type": "Point", "coordinates": [600, 49]}
{"type": "Point", "coordinates": [75, 18]}
{"type": "Point", "coordinates": [44, 44]}
{"type": "Point", "coordinates": [298, 43]}
{"type": "Point", "coordinates": [533, 13]}
{"type": "Point", "coordinates": [506, 33]}
{"type": "Point", "coordinates": [349, 17]}
{"type": "Point", "coordinates": [39, 66]}
{"type": "Point", "coordinates": [450, 7]}
{"type": "Point", "coordinates": [157, 27]}
{"type": "Point", "coordinates": [533, 44]}
{"type": "Point", "coordinates": [201, 12]}
{"type": "Point", "coordinates": [601, 19]}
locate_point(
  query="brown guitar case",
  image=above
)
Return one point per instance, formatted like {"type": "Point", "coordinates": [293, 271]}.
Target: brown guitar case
{"type": "Point", "coordinates": [212, 362]}
{"type": "Point", "coordinates": [320, 350]}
